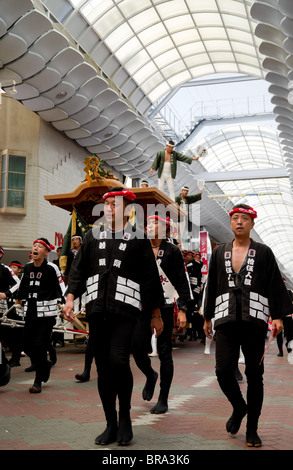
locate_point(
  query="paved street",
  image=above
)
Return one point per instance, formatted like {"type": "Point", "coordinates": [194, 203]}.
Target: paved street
{"type": "Point", "coordinates": [68, 416]}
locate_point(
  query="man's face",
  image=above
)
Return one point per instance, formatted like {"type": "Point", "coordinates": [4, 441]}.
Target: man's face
{"type": "Point", "coordinates": [76, 242]}
{"type": "Point", "coordinates": [39, 251]}
{"type": "Point", "coordinates": [184, 192]}
{"type": "Point", "coordinates": [16, 270]}
{"type": "Point", "coordinates": [241, 224]}
{"type": "Point", "coordinates": [156, 229]}
{"type": "Point", "coordinates": [169, 148]}
{"type": "Point", "coordinates": [114, 209]}
{"type": "Point", "coordinates": [188, 257]}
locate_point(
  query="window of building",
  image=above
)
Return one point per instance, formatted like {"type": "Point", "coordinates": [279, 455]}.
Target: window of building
{"type": "Point", "coordinates": [13, 182]}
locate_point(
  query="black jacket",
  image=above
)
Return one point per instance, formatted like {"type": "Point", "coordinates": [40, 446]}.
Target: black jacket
{"type": "Point", "coordinates": [117, 272]}
{"type": "Point", "coordinates": [41, 288]}
{"type": "Point", "coordinates": [260, 290]}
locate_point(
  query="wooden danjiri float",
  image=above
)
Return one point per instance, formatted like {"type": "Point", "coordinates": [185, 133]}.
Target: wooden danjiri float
{"type": "Point", "coordinates": [82, 200]}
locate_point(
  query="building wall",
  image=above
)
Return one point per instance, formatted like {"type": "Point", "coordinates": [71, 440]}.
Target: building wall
{"type": "Point", "coordinates": [54, 165]}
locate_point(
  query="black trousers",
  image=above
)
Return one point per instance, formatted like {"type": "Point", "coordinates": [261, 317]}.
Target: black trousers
{"type": "Point", "coordinates": [141, 347]}
{"type": "Point", "coordinates": [36, 342]}
{"type": "Point", "coordinates": [3, 361]}
{"type": "Point", "coordinates": [251, 338]}
{"type": "Point", "coordinates": [111, 339]}
{"type": "Point", "coordinates": [4, 368]}
{"type": "Point", "coordinates": [287, 333]}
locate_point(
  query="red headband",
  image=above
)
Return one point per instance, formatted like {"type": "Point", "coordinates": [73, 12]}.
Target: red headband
{"type": "Point", "coordinates": [1, 251]}
{"type": "Point", "coordinates": [49, 247]}
{"type": "Point", "coordinates": [250, 211]}
{"type": "Point", "coordinates": [156, 217]}
{"type": "Point", "coordinates": [125, 193]}
{"type": "Point", "coordinates": [16, 264]}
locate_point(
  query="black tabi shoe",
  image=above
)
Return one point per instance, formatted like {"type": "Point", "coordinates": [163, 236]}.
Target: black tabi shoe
{"type": "Point", "coordinates": [234, 422]}
{"type": "Point", "coordinates": [36, 388]}
{"type": "Point", "coordinates": [253, 439]}
{"type": "Point", "coordinates": [5, 377]}
{"type": "Point", "coordinates": [108, 436]}
{"type": "Point", "coordinates": [82, 377]}
{"type": "Point", "coordinates": [149, 388]}
{"type": "Point", "coordinates": [47, 370]}
{"type": "Point", "coordinates": [124, 433]}
{"type": "Point", "coordinates": [160, 408]}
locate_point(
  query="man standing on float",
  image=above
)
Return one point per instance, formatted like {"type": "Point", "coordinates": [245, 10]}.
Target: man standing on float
{"type": "Point", "coordinates": [166, 164]}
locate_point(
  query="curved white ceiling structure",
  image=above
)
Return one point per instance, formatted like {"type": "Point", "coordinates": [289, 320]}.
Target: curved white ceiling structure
{"type": "Point", "coordinates": [95, 68]}
{"type": "Point", "coordinates": [275, 29]}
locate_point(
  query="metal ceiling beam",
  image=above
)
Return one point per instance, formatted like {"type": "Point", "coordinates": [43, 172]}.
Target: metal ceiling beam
{"type": "Point", "coordinates": [242, 175]}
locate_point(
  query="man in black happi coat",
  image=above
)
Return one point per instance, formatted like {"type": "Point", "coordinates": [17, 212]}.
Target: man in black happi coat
{"type": "Point", "coordinates": [116, 269]}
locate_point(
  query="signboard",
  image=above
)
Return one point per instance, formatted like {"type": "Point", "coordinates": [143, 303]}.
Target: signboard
{"type": "Point", "coordinates": [203, 247]}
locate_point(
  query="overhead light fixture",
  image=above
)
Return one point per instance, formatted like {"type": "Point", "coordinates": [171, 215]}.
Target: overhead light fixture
{"type": "Point", "coordinates": [61, 95]}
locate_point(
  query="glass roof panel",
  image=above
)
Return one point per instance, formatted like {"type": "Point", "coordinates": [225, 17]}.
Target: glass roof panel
{"type": "Point", "coordinates": [234, 21]}
{"type": "Point", "coordinates": [163, 27]}
{"type": "Point", "coordinates": [144, 20]}
{"type": "Point", "coordinates": [95, 8]}
{"type": "Point", "coordinates": [128, 7]}
{"type": "Point", "coordinates": [139, 60]}
{"type": "Point", "coordinates": [179, 23]}
{"type": "Point", "coordinates": [177, 79]}
{"type": "Point", "coordinates": [122, 31]}
{"type": "Point", "coordinates": [158, 48]}
{"type": "Point", "coordinates": [128, 49]}
{"type": "Point", "coordinates": [151, 34]}
{"type": "Point", "coordinates": [166, 58]}
{"type": "Point", "coordinates": [210, 33]}
{"type": "Point", "coordinates": [108, 22]}
{"type": "Point", "coordinates": [207, 5]}
{"type": "Point", "coordinates": [186, 37]}
{"type": "Point", "coordinates": [210, 19]}
{"type": "Point", "coordinates": [146, 71]}
{"type": "Point", "coordinates": [172, 9]}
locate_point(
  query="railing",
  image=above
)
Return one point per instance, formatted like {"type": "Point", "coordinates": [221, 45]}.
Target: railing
{"type": "Point", "coordinates": [170, 122]}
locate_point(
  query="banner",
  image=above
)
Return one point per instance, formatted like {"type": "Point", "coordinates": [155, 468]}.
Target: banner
{"type": "Point", "coordinates": [77, 226]}
{"type": "Point", "coordinates": [203, 248]}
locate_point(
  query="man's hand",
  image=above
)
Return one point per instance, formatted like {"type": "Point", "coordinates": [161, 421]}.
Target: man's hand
{"type": "Point", "coordinates": [68, 308]}
{"type": "Point", "coordinates": [208, 329]}
{"type": "Point", "coordinates": [277, 326]}
{"type": "Point", "coordinates": [158, 325]}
